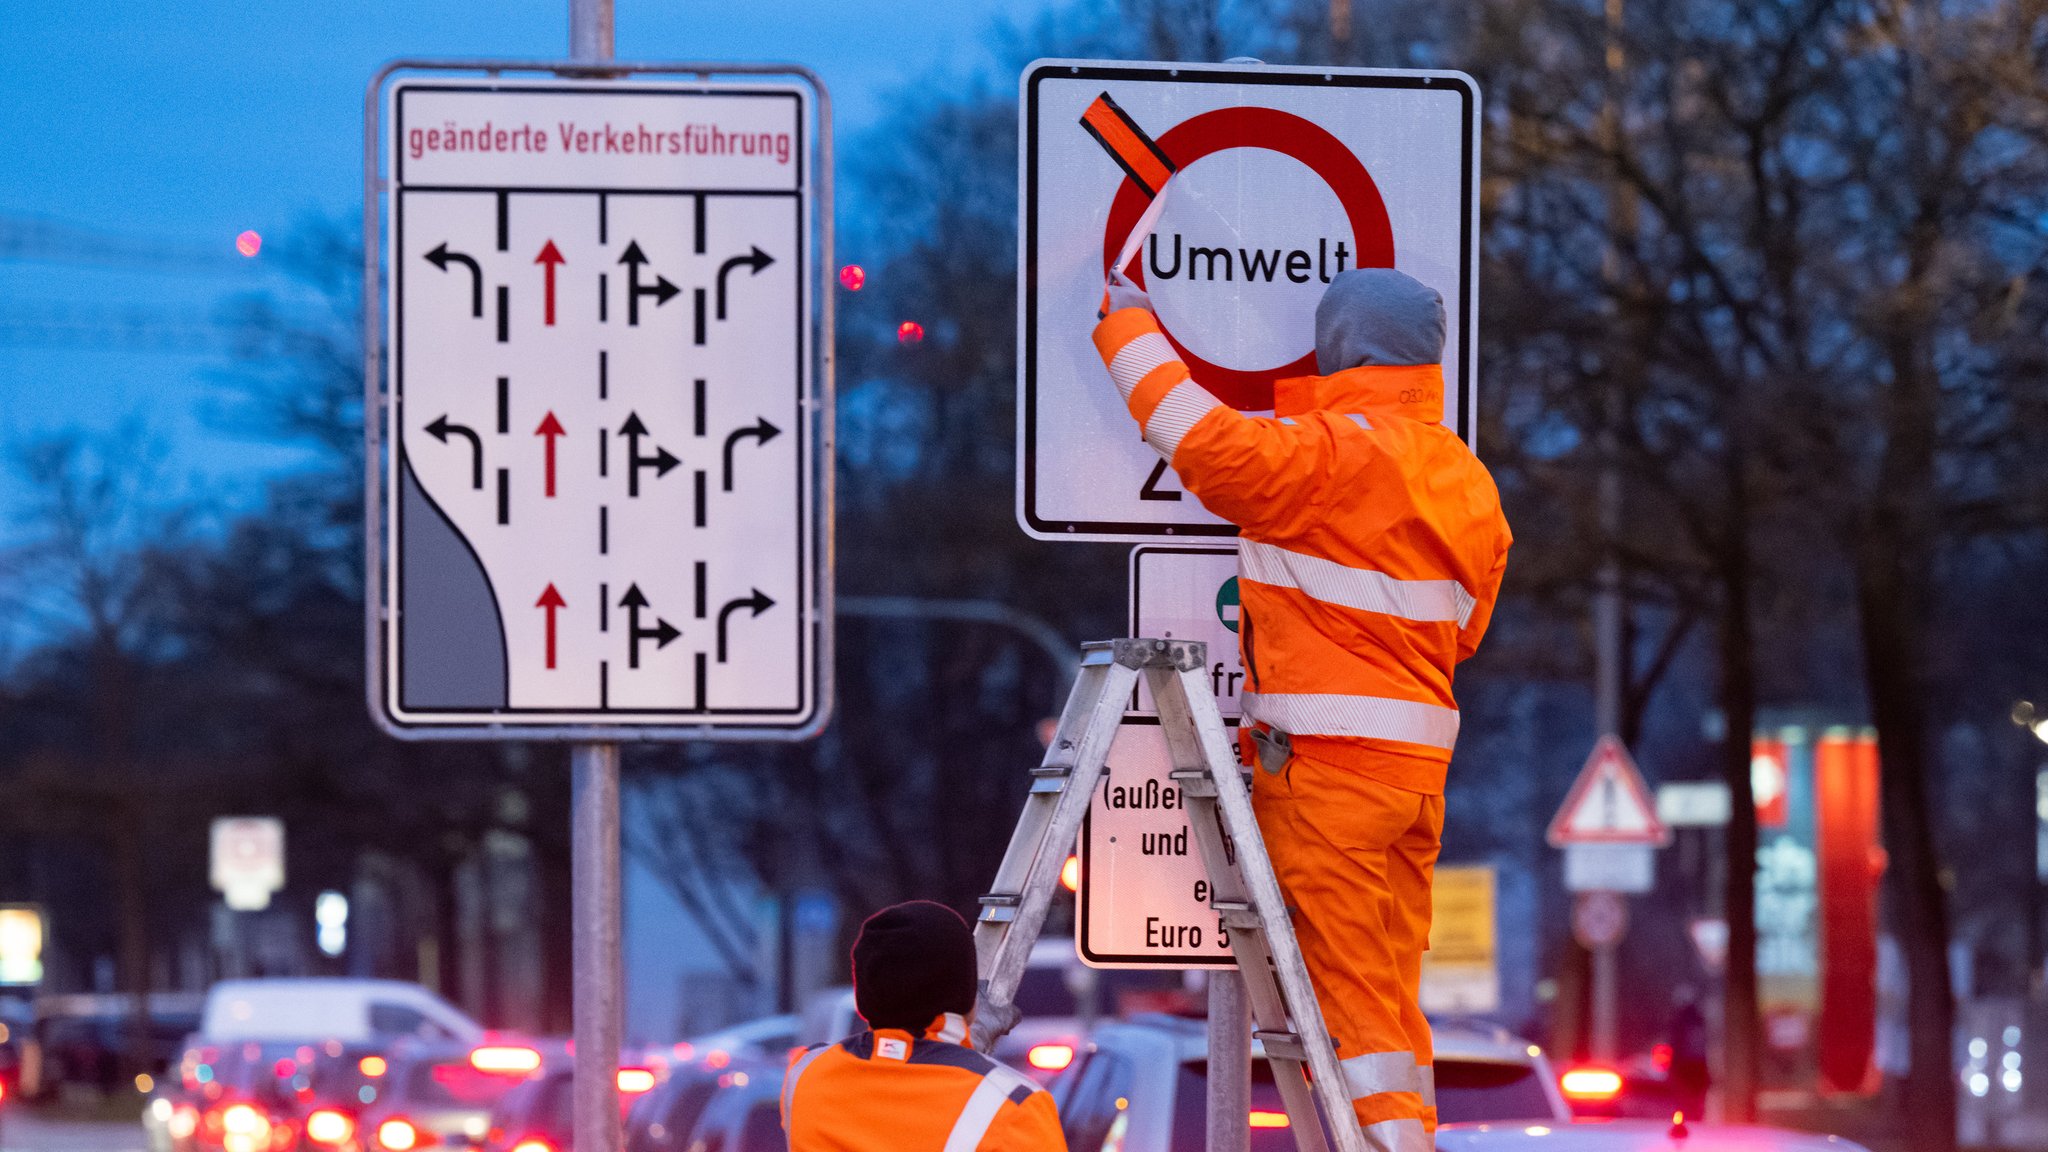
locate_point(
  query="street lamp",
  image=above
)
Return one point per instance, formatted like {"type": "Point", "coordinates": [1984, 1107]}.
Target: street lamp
{"type": "Point", "coordinates": [2027, 716]}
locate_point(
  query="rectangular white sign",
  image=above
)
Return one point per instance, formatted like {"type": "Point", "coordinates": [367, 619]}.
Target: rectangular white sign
{"type": "Point", "coordinates": [601, 476]}
{"type": "Point", "coordinates": [1630, 868]}
{"type": "Point", "coordinates": [1144, 895]}
{"type": "Point", "coordinates": [1190, 593]}
{"type": "Point", "coordinates": [1285, 177]}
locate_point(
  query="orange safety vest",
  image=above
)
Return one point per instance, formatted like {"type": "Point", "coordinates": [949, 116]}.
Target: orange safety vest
{"type": "Point", "coordinates": [886, 1091]}
{"type": "Point", "coordinates": [1370, 550]}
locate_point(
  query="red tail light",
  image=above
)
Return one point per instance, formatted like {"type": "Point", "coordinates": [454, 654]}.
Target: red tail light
{"type": "Point", "coordinates": [1050, 1057]}
{"type": "Point", "coordinates": [398, 1135]}
{"type": "Point", "coordinates": [505, 1058]}
{"type": "Point", "coordinates": [533, 1145]}
{"type": "Point", "coordinates": [327, 1127]}
{"type": "Point", "coordinates": [1591, 1085]}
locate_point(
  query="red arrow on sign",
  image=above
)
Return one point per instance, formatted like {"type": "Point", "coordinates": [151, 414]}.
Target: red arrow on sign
{"type": "Point", "coordinates": [550, 256]}
{"type": "Point", "coordinates": [550, 428]}
{"type": "Point", "coordinates": [1608, 803]}
{"type": "Point", "coordinates": [553, 602]}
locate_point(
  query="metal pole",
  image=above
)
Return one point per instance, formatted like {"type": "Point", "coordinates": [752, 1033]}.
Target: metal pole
{"type": "Point", "coordinates": [1230, 1063]}
{"type": "Point", "coordinates": [594, 828]}
{"type": "Point", "coordinates": [594, 877]}
{"type": "Point", "coordinates": [1609, 659]}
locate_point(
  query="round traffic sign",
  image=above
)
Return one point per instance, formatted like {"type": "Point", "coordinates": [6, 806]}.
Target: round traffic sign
{"type": "Point", "coordinates": [1227, 606]}
{"type": "Point", "coordinates": [1599, 919]}
{"type": "Point", "coordinates": [1251, 390]}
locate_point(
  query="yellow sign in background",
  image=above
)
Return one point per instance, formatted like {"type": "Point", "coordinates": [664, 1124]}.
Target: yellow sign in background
{"type": "Point", "coordinates": [1461, 972]}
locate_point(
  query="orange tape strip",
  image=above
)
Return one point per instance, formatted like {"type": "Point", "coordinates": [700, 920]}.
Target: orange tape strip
{"type": "Point", "coordinates": [1136, 153]}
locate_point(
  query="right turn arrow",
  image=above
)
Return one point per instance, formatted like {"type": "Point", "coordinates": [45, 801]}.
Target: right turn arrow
{"type": "Point", "coordinates": [762, 432]}
{"type": "Point", "coordinates": [759, 602]}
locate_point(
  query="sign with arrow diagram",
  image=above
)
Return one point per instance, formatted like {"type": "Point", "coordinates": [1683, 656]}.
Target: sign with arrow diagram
{"type": "Point", "coordinates": [597, 462]}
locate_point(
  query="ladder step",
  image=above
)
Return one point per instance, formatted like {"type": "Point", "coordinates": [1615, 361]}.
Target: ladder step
{"type": "Point", "coordinates": [1001, 900]}
{"type": "Point", "coordinates": [1048, 785]}
{"type": "Point", "coordinates": [1282, 1046]}
{"type": "Point", "coordinates": [1195, 782]}
{"type": "Point", "coordinates": [1238, 917]}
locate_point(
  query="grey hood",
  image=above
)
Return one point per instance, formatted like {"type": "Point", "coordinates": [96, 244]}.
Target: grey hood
{"type": "Point", "coordinates": [1378, 316]}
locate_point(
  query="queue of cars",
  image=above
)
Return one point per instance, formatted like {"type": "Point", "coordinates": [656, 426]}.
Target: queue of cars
{"type": "Point", "coordinates": [395, 1069]}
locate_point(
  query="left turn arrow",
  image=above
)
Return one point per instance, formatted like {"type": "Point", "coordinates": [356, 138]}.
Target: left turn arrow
{"type": "Point", "coordinates": [440, 257]}
{"type": "Point", "coordinates": [440, 430]}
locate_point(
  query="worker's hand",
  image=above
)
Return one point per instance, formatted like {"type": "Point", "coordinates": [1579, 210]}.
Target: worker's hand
{"type": "Point", "coordinates": [1124, 294]}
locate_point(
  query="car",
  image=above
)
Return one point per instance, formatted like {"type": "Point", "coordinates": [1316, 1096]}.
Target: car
{"type": "Point", "coordinates": [442, 1094]}
{"type": "Point", "coordinates": [1632, 1136]}
{"type": "Point", "coordinates": [1142, 1085]}
{"type": "Point", "coordinates": [353, 1011]}
{"type": "Point", "coordinates": [241, 1098]}
{"type": "Point", "coordinates": [79, 1039]}
{"type": "Point", "coordinates": [766, 1038]}
{"type": "Point", "coordinates": [538, 1114]}
{"type": "Point", "coordinates": [743, 1115]}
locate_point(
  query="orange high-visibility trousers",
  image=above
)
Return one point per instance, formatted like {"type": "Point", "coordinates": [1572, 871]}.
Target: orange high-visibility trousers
{"type": "Point", "coordinates": [1355, 858]}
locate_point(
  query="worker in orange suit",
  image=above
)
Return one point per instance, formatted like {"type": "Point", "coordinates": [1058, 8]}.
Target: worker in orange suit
{"type": "Point", "coordinates": [911, 1083]}
{"type": "Point", "coordinates": [1370, 552]}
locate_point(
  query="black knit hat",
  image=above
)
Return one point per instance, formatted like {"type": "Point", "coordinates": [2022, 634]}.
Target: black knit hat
{"type": "Point", "coordinates": [912, 962]}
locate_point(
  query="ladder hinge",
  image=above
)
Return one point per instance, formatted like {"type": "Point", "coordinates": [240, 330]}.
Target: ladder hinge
{"type": "Point", "coordinates": [1282, 1046]}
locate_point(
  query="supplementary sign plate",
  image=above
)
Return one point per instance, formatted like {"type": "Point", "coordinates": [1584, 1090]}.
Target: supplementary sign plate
{"type": "Point", "coordinates": [600, 455]}
{"type": "Point", "coordinates": [1185, 592]}
{"type": "Point", "coordinates": [1270, 181]}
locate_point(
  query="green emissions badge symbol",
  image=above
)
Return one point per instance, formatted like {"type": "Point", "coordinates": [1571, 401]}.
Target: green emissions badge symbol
{"type": "Point", "coordinates": [1226, 604]}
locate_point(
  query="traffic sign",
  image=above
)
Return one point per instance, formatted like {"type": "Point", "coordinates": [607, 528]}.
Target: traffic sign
{"type": "Point", "coordinates": [1608, 803]}
{"type": "Point", "coordinates": [1143, 901]}
{"type": "Point", "coordinates": [246, 861]}
{"type": "Point", "coordinates": [1281, 177]}
{"type": "Point", "coordinates": [1190, 593]}
{"type": "Point", "coordinates": [1599, 919]}
{"type": "Point", "coordinates": [599, 467]}
{"type": "Point", "coordinates": [1630, 868]}
{"type": "Point", "coordinates": [1461, 969]}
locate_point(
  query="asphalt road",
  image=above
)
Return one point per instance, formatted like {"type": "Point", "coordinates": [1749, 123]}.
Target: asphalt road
{"type": "Point", "coordinates": [25, 1132]}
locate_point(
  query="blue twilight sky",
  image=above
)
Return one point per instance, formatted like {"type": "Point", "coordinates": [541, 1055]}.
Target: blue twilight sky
{"type": "Point", "coordinates": [168, 129]}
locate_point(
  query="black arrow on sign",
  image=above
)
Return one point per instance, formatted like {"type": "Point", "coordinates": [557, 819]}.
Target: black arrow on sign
{"type": "Point", "coordinates": [440, 429]}
{"type": "Point", "coordinates": [661, 289]}
{"type": "Point", "coordinates": [661, 461]}
{"type": "Point", "coordinates": [440, 257]}
{"type": "Point", "coordinates": [662, 632]}
{"type": "Point", "coordinates": [757, 258]}
{"type": "Point", "coordinates": [762, 431]}
{"type": "Point", "coordinates": [759, 602]}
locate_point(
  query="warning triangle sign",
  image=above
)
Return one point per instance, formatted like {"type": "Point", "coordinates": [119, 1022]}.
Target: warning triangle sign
{"type": "Point", "coordinates": [1608, 803]}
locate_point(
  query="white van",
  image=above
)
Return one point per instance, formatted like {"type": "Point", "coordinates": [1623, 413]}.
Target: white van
{"type": "Point", "coordinates": [348, 1010]}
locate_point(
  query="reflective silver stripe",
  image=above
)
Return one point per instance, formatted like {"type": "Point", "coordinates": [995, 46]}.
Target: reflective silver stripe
{"type": "Point", "coordinates": [1141, 355]}
{"type": "Point", "coordinates": [1397, 1136]}
{"type": "Point", "coordinates": [1288, 420]}
{"type": "Point", "coordinates": [789, 1081]}
{"type": "Point", "coordinates": [1423, 601]}
{"type": "Point", "coordinates": [1359, 420]}
{"type": "Point", "coordinates": [1426, 1073]}
{"type": "Point", "coordinates": [980, 1110]}
{"type": "Point", "coordinates": [1373, 717]}
{"type": "Point", "coordinates": [1377, 1072]}
{"type": "Point", "coordinates": [953, 1028]}
{"type": "Point", "coordinates": [1177, 414]}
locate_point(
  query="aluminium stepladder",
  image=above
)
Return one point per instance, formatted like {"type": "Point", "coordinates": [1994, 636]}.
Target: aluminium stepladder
{"type": "Point", "coordinates": [1245, 893]}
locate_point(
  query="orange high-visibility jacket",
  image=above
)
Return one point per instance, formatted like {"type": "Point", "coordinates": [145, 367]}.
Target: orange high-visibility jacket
{"type": "Point", "coordinates": [885, 1091]}
{"type": "Point", "coordinates": [1371, 546]}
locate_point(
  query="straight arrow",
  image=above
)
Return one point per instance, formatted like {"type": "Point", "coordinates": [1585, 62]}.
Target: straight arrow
{"type": "Point", "coordinates": [762, 432]}
{"type": "Point", "coordinates": [757, 259]}
{"type": "Point", "coordinates": [551, 257]}
{"type": "Point", "coordinates": [550, 428]}
{"type": "Point", "coordinates": [440, 429]}
{"type": "Point", "coordinates": [759, 602]}
{"type": "Point", "coordinates": [440, 257]}
{"type": "Point", "coordinates": [553, 602]}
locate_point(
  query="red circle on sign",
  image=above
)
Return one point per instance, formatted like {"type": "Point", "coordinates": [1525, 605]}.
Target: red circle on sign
{"type": "Point", "coordinates": [1290, 135]}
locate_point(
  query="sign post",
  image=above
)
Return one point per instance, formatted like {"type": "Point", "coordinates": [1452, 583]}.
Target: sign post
{"type": "Point", "coordinates": [599, 479]}
{"type": "Point", "coordinates": [1608, 827]}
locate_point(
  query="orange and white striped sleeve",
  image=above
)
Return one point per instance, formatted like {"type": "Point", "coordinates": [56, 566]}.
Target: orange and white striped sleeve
{"type": "Point", "coordinates": [1153, 381]}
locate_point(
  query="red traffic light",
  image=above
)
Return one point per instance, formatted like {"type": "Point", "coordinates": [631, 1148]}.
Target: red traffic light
{"type": "Point", "coordinates": [909, 332]}
{"type": "Point", "coordinates": [852, 277]}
